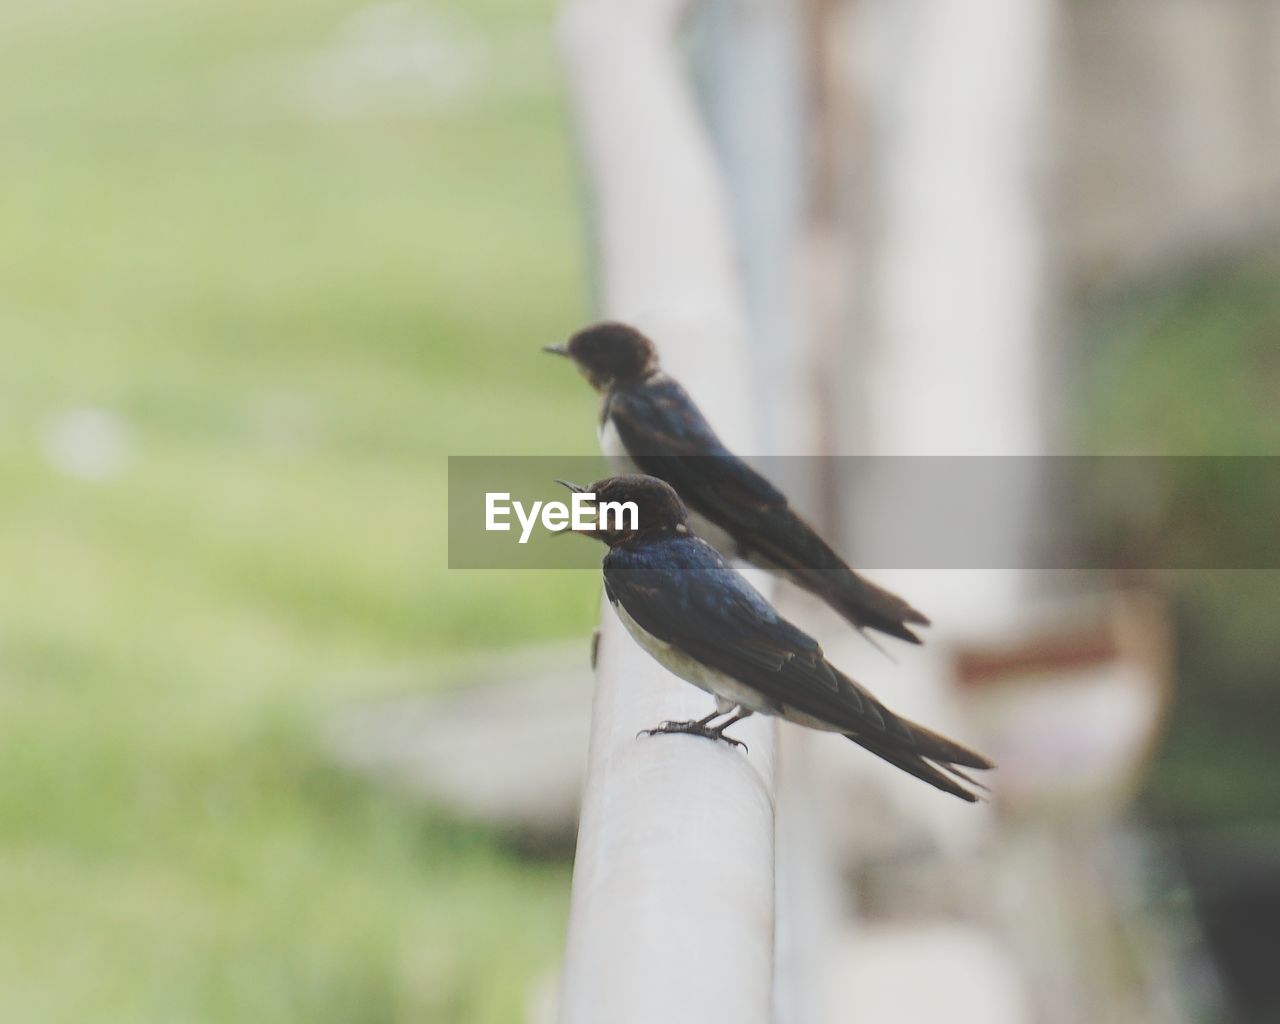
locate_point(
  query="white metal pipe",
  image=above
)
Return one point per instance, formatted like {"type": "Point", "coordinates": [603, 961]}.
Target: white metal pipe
{"type": "Point", "coordinates": [671, 917]}
{"type": "Point", "coordinates": [957, 354]}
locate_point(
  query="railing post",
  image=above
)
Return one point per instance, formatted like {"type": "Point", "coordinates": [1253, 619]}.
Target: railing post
{"type": "Point", "coordinates": [672, 911]}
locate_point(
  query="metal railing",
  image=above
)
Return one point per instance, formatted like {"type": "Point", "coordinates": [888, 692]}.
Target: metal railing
{"type": "Point", "coordinates": [672, 914]}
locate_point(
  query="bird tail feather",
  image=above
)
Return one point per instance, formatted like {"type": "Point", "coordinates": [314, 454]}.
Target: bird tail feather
{"type": "Point", "coordinates": [929, 757]}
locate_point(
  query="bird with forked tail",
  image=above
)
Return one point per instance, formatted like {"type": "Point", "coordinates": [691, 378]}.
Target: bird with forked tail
{"type": "Point", "coordinates": [694, 613]}
{"type": "Point", "coordinates": [648, 422]}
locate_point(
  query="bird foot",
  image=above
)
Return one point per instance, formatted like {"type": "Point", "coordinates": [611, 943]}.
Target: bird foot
{"type": "Point", "coordinates": [692, 729]}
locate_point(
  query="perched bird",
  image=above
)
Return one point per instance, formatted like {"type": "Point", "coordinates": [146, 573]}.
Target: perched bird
{"type": "Point", "coordinates": [692, 611]}
{"type": "Point", "coordinates": [648, 423]}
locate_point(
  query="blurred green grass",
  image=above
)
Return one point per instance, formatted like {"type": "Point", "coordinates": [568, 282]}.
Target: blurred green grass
{"type": "Point", "coordinates": [296, 313]}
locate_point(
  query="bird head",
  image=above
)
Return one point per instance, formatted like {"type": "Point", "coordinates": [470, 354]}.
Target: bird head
{"type": "Point", "coordinates": [657, 508]}
{"type": "Point", "coordinates": [609, 353]}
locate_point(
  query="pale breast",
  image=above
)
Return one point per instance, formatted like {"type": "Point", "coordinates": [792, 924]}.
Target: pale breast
{"type": "Point", "coordinates": [726, 690]}
{"type": "Point", "coordinates": [613, 448]}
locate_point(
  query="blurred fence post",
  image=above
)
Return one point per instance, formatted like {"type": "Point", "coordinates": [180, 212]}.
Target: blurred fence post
{"type": "Point", "coordinates": [671, 917]}
{"type": "Point", "coordinates": [757, 68]}
{"type": "Point", "coordinates": [956, 359]}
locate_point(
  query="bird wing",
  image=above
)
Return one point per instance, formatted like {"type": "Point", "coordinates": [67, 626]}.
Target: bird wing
{"type": "Point", "coordinates": [690, 597]}
{"type": "Point", "coordinates": [684, 593]}
{"type": "Point", "coordinates": [667, 437]}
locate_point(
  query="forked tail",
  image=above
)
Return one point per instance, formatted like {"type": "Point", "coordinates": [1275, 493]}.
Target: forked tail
{"type": "Point", "coordinates": [928, 756]}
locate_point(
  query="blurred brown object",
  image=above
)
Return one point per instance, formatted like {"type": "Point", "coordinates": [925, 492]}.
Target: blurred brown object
{"type": "Point", "coordinates": [1071, 706]}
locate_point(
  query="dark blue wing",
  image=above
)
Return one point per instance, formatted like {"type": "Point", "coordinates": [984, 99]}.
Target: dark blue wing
{"type": "Point", "coordinates": [667, 437]}
{"type": "Point", "coordinates": [684, 593]}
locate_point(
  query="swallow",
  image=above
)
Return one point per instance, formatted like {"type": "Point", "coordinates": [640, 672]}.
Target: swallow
{"type": "Point", "coordinates": [649, 424]}
{"type": "Point", "coordinates": [683, 602]}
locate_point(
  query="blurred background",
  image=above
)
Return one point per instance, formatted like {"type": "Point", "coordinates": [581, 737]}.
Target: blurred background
{"type": "Point", "coordinates": [264, 268]}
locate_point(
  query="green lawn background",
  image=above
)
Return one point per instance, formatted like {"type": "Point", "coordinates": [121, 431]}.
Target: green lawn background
{"type": "Point", "coordinates": [297, 313]}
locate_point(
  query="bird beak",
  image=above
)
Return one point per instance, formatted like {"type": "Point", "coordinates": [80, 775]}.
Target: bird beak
{"type": "Point", "coordinates": [557, 350]}
{"type": "Point", "coordinates": [577, 489]}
